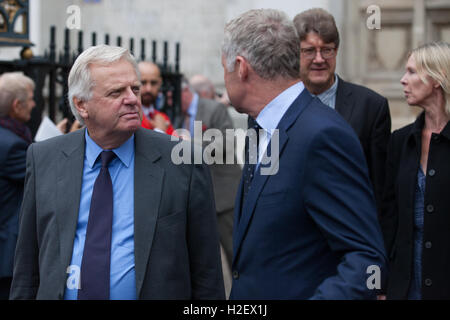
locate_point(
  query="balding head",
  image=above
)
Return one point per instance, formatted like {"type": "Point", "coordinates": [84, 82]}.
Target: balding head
{"type": "Point", "coordinates": [151, 82]}
{"type": "Point", "coordinates": [202, 86]}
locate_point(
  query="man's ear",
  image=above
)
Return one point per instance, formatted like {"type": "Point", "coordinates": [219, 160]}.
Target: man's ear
{"type": "Point", "coordinates": [15, 108]}
{"type": "Point", "coordinates": [243, 67]}
{"type": "Point", "coordinates": [80, 105]}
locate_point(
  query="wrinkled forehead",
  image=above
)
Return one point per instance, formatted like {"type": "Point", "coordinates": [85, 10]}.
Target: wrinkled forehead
{"type": "Point", "coordinates": [108, 73]}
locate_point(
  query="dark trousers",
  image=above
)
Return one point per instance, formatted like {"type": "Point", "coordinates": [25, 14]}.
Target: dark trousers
{"type": "Point", "coordinates": [225, 225]}
{"type": "Point", "coordinates": [5, 286]}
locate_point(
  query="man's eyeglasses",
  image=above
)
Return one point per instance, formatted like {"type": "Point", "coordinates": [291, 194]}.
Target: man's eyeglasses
{"type": "Point", "coordinates": [310, 53]}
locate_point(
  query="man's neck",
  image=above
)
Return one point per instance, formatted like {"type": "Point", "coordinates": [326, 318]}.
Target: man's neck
{"type": "Point", "coordinates": [266, 91]}
{"type": "Point", "coordinates": [109, 142]}
{"type": "Point", "coordinates": [319, 89]}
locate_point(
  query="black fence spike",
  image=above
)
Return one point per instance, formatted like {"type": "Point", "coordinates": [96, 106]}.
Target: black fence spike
{"type": "Point", "coordinates": [66, 45]}
{"type": "Point", "coordinates": [177, 57]}
{"type": "Point", "coordinates": [142, 49]}
{"type": "Point", "coordinates": [80, 42]}
{"type": "Point", "coordinates": [154, 51]}
{"type": "Point", "coordinates": [94, 39]}
{"type": "Point", "coordinates": [52, 43]}
{"type": "Point", "coordinates": [131, 46]}
{"type": "Point", "coordinates": [166, 55]}
{"type": "Point", "coordinates": [107, 39]}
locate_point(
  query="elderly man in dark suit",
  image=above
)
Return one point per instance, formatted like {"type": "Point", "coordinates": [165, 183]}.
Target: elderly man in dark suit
{"type": "Point", "coordinates": [365, 110]}
{"type": "Point", "coordinates": [16, 103]}
{"type": "Point", "coordinates": [106, 212]}
{"type": "Point", "coordinates": [305, 222]}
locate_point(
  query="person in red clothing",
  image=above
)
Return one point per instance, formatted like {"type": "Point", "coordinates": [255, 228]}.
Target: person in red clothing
{"type": "Point", "coordinates": [151, 84]}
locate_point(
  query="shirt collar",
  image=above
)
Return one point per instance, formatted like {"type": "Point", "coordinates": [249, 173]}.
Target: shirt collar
{"type": "Point", "coordinates": [192, 110]}
{"type": "Point", "coordinates": [330, 91]}
{"type": "Point", "coordinates": [124, 152]}
{"type": "Point", "coordinates": [271, 114]}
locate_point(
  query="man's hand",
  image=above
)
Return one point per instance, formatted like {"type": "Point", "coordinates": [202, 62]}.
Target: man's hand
{"type": "Point", "coordinates": [381, 297]}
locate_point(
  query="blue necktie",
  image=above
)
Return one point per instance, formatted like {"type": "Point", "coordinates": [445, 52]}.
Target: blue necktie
{"type": "Point", "coordinates": [95, 264]}
{"type": "Point", "coordinates": [250, 161]}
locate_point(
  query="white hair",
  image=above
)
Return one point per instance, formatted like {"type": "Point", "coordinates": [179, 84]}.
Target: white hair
{"type": "Point", "coordinates": [80, 82]}
{"type": "Point", "coordinates": [13, 85]}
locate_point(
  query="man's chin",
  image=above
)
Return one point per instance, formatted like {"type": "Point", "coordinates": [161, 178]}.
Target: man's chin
{"type": "Point", "coordinates": [147, 101]}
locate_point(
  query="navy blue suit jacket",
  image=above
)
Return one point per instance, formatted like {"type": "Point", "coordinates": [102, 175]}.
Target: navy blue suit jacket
{"type": "Point", "coordinates": [12, 174]}
{"type": "Point", "coordinates": [311, 229]}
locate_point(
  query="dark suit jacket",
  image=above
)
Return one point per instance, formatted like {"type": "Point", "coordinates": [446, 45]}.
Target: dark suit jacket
{"type": "Point", "coordinates": [225, 177]}
{"type": "Point", "coordinates": [176, 241]}
{"type": "Point", "coordinates": [368, 114]}
{"type": "Point", "coordinates": [12, 173]}
{"type": "Point", "coordinates": [310, 230]}
{"type": "Point", "coordinates": [397, 219]}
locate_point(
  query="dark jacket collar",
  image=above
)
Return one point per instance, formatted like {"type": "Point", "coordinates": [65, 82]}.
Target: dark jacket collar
{"type": "Point", "coordinates": [417, 127]}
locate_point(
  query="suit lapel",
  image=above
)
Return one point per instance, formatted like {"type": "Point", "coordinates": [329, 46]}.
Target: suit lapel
{"type": "Point", "coordinates": [148, 182]}
{"type": "Point", "coordinates": [69, 173]}
{"type": "Point", "coordinates": [344, 102]}
{"type": "Point", "coordinates": [248, 207]}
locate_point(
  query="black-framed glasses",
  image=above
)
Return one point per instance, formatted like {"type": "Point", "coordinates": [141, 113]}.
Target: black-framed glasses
{"type": "Point", "coordinates": [325, 52]}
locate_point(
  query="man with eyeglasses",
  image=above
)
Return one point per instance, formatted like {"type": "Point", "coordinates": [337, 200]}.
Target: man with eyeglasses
{"type": "Point", "coordinates": [365, 110]}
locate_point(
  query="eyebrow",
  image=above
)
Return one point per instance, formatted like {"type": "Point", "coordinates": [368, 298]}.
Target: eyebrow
{"type": "Point", "coordinates": [121, 88]}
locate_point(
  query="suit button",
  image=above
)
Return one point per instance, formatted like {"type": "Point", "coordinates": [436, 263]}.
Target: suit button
{"type": "Point", "coordinates": [428, 282]}
{"type": "Point", "coordinates": [431, 172]}
{"type": "Point", "coordinates": [430, 208]}
{"type": "Point", "coordinates": [235, 274]}
{"type": "Point", "coordinates": [428, 244]}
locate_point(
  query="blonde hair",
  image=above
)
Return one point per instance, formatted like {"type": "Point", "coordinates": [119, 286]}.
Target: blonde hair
{"type": "Point", "coordinates": [13, 85]}
{"type": "Point", "coordinates": [433, 59]}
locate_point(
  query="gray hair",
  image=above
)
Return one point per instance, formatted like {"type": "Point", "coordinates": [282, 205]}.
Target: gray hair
{"type": "Point", "coordinates": [13, 85]}
{"type": "Point", "coordinates": [80, 82]}
{"type": "Point", "coordinates": [267, 39]}
{"type": "Point", "coordinates": [202, 85]}
{"type": "Point", "coordinates": [319, 21]}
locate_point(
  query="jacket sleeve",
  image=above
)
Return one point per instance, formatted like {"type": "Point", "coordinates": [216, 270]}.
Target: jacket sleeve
{"type": "Point", "coordinates": [203, 238]}
{"type": "Point", "coordinates": [339, 199]}
{"type": "Point", "coordinates": [26, 271]}
{"type": "Point", "coordinates": [379, 140]}
{"type": "Point", "coordinates": [389, 210]}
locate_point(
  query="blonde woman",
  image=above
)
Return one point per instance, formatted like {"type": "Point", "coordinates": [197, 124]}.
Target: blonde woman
{"type": "Point", "coordinates": [416, 215]}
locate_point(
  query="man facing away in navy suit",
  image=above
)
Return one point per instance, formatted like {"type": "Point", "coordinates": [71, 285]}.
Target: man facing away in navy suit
{"type": "Point", "coordinates": [306, 224]}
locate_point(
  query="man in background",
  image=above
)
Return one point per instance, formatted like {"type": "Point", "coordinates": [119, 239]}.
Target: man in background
{"type": "Point", "coordinates": [16, 103]}
{"type": "Point", "coordinates": [365, 110]}
{"type": "Point", "coordinates": [151, 85]}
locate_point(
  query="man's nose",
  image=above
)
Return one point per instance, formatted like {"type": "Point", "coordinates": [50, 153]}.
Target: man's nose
{"type": "Point", "coordinates": [131, 96]}
{"type": "Point", "coordinates": [318, 57]}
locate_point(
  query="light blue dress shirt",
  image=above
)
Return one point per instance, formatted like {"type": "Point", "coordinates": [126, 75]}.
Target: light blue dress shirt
{"type": "Point", "coordinates": [328, 97]}
{"type": "Point", "coordinates": [192, 112]}
{"type": "Point", "coordinates": [121, 169]}
{"type": "Point", "coordinates": [270, 116]}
